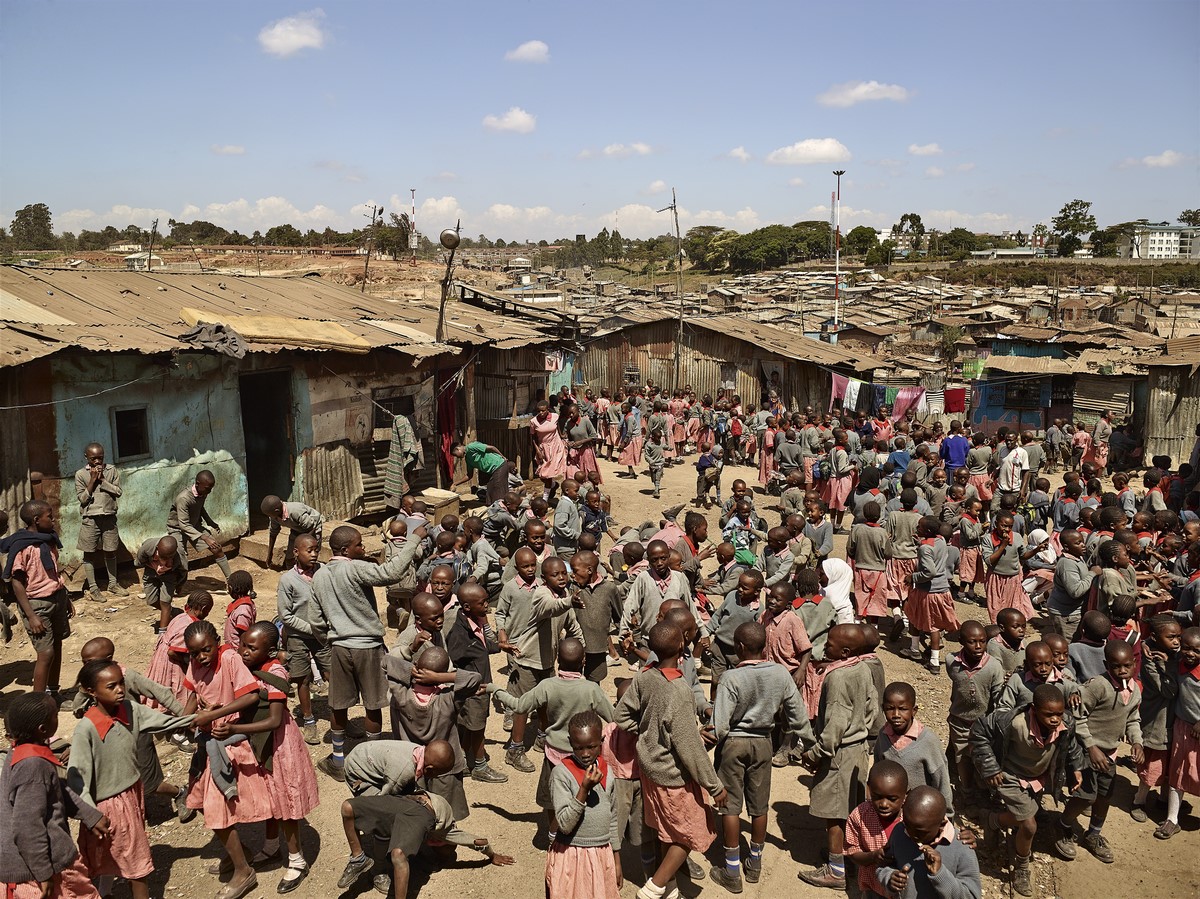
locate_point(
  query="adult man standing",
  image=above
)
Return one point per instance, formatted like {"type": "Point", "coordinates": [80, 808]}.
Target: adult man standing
{"type": "Point", "coordinates": [1014, 472]}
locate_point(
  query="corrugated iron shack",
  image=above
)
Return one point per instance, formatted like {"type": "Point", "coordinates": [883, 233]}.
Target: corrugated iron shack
{"type": "Point", "coordinates": [716, 351]}
{"type": "Point", "coordinates": [306, 413]}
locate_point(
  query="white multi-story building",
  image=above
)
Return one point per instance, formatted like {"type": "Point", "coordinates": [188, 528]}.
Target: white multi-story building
{"type": "Point", "coordinates": [1161, 241]}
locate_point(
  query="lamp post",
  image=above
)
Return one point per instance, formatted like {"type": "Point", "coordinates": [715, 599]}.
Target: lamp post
{"type": "Point", "coordinates": [837, 251]}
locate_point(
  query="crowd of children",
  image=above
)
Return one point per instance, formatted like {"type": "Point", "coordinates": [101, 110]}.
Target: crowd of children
{"type": "Point", "coordinates": [790, 635]}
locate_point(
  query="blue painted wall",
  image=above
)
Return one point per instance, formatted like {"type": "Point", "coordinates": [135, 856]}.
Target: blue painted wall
{"type": "Point", "coordinates": [194, 416]}
{"type": "Point", "coordinates": [989, 414]}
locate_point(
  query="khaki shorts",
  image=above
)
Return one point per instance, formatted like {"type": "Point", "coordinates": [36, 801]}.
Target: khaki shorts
{"type": "Point", "coordinates": [721, 661]}
{"type": "Point", "coordinates": [355, 674]}
{"type": "Point", "coordinates": [301, 651]}
{"type": "Point", "coordinates": [521, 679]}
{"type": "Point", "coordinates": [98, 533]}
{"type": "Point", "coordinates": [627, 799]}
{"type": "Point", "coordinates": [744, 767]}
{"type": "Point", "coordinates": [473, 713]}
{"type": "Point", "coordinates": [960, 732]}
{"type": "Point", "coordinates": [840, 783]}
{"type": "Point", "coordinates": [1023, 802]}
{"type": "Point", "coordinates": [54, 611]}
{"type": "Point", "coordinates": [159, 588]}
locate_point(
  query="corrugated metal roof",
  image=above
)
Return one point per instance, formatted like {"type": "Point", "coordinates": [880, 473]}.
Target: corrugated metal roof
{"type": "Point", "coordinates": [782, 342]}
{"type": "Point", "coordinates": [143, 311]}
{"type": "Point", "coordinates": [1034, 365]}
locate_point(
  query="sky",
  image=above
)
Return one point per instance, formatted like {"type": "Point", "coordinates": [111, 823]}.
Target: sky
{"type": "Point", "coordinates": [539, 119]}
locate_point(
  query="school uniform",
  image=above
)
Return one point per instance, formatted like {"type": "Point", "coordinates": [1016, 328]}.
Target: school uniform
{"type": "Point", "coordinates": [1002, 583]}
{"type": "Point", "coordinates": [34, 556]}
{"type": "Point", "coordinates": [919, 752]}
{"type": "Point", "coordinates": [1010, 659]}
{"type": "Point", "coordinates": [958, 875]}
{"type": "Point", "coordinates": [533, 624]}
{"type": "Point", "coordinates": [568, 525]}
{"type": "Point", "coordinates": [647, 594]}
{"type": "Point", "coordinates": [973, 693]}
{"type": "Point", "coordinates": [844, 715]}
{"type": "Point", "coordinates": [930, 606]}
{"type": "Point", "coordinates": [188, 521]}
{"type": "Point", "coordinates": [298, 519]}
{"type": "Point", "coordinates": [901, 530]}
{"type": "Point", "coordinates": [1108, 712]}
{"type": "Point", "coordinates": [595, 620]}
{"type": "Point", "coordinates": [471, 646]}
{"type": "Point", "coordinates": [867, 547]}
{"type": "Point", "coordinates": [98, 511]}
{"type": "Point", "coordinates": [776, 567]}
{"type": "Point", "coordinates": [295, 604]}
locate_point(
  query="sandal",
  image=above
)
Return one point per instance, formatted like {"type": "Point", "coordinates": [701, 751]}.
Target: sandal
{"type": "Point", "coordinates": [1166, 830]}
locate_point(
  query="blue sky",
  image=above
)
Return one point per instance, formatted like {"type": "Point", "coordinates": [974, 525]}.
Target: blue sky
{"type": "Point", "coordinates": [538, 119]}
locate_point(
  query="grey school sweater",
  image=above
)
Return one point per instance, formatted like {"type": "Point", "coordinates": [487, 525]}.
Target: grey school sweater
{"type": "Point", "coordinates": [846, 709]}
{"type": "Point", "coordinates": [537, 627]}
{"type": "Point", "coordinates": [294, 601]}
{"type": "Point", "coordinates": [933, 572]}
{"type": "Point", "coordinates": [584, 824]}
{"type": "Point", "coordinates": [821, 535]}
{"type": "Point", "coordinates": [973, 693]}
{"type": "Point", "coordinates": [301, 519]}
{"type": "Point", "coordinates": [1018, 692]}
{"type": "Point", "coordinates": [1010, 659]}
{"type": "Point", "coordinates": [868, 547]}
{"type": "Point", "coordinates": [725, 621]}
{"type": "Point", "coordinates": [1072, 581]}
{"type": "Point", "coordinates": [345, 609]}
{"type": "Point", "coordinates": [751, 696]}
{"type": "Point", "coordinates": [669, 749]}
{"type": "Point", "coordinates": [188, 516]}
{"type": "Point", "coordinates": [562, 698]}
{"type": "Point", "coordinates": [1103, 718]}
{"type": "Point", "coordinates": [1087, 661]}
{"type": "Point", "coordinates": [35, 804]}
{"type": "Point", "coordinates": [381, 767]}
{"type": "Point", "coordinates": [924, 760]}
{"type": "Point", "coordinates": [568, 524]}
{"type": "Point", "coordinates": [819, 618]}
{"type": "Point", "coordinates": [104, 755]}
{"type": "Point", "coordinates": [958, 877]}
{"type": "Point", "coordinates": [1158, 693]}
{"type": "Point", "coordinates": [596, 617]}
{"type": "Point", "coordinates": [901, 529]}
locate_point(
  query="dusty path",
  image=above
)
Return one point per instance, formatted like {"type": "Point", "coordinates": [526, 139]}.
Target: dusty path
{"type": "Point", "coordinates": [507, 813]}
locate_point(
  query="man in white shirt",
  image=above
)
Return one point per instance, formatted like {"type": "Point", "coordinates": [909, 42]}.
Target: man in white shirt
{"type": "Point", "coordinates": [1014, 470]}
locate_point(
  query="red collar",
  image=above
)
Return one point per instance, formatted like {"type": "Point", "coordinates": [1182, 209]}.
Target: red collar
{"type": "Point", "coordinates": [929, 541]}
{"type": "Point", "coordinates": [578, 773]}
{"type": "Point", "coordinates": [668, 673]}
{"type": "Point", "coordinates": [103, 721]}
{"type": "Point", "coordinates": [1143, 534]}
{"type": "Point", "coordinates": [1194, 672]}
{"type": "Point", "coordinates": [970, 518]}
{"type": "Point", "coordinates": [238, 603]}
{"type": "Point", "coordinates": [996, 538]}
{"type": "Point", "coordinates": [1067, 499]}
{"type": "Point", "coordinates": [23, 751]}
{"type": "Point", "coordinates": [801, 600]}
{"type": "Point", "coordinates": [872, 524]}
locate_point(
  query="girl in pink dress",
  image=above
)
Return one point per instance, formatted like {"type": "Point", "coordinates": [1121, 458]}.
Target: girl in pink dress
{"type": "Point", "coordinates": [171, 659]}
{"type": "Point", "coordinates": [104, 772]}
{"type": "Point", "coordinates": [549, 448]}
{"type": "Point", "coordinates": [292, 781]}
{"type": "Point", "coordinates": [582, 439]}
{"type": "Point", "coordinates": [766, 453]}
{"type": "Point", "coordinates": [706, 435]}
{"type": "Point", "coordinates": [631, 440]}
{"type": "Point", "coordinates": [219, 679]}
{"type": "Point", "coordinates": [678, 407]}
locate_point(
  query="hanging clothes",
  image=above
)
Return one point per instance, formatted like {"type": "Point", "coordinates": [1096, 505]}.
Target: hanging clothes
{"type": "Point", "coordinates": [890, 399]}
{"type": "Point", "coordinates": [839, 389]}
{"type": "Point", "coordinates": [878, 397]}
{"type": "Point", "coordinates": [935, 401]}
{"type": "Point", "coordinates": [850, 401]}
{"type": "Point", "coordinates": [956, 400]}
{"type": "Point", "coordinates": [906, 398]}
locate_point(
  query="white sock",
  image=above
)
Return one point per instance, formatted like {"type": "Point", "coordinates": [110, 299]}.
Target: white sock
{"type": "Point", "coordinates": [295, 866]}
{"type": "Point", "coordinates": [1174, 798]}
{"type": "Point", "coordinates": [934, 656]}
{"type": "Point", "coordinates": [916, 643]}
{"type": "Point", "coordinates": [895, 611]}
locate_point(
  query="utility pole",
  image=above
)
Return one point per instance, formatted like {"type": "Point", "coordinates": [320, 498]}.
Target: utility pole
{"type": "Point", "coordinates": [150, 252]}
{"type": "Point", "coordinates": [837, 258]}
{"type": "Point", "coordinates": [674, 208]}
{"type": "Point", "coordinates": [375, 210]}
{"type": "Point", "coordinates": [412, 226]}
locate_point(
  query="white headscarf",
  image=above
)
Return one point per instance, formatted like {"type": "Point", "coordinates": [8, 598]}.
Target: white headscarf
{"type": "Point", "coordinates": [1047, 556]}
{"type": "Point", "coordinates": [837, 591]}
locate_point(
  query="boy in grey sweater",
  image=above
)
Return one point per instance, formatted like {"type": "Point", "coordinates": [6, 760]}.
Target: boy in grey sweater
{"type": "Point", "coordinates": [346, 615]}
{"type": "Point", "coordinates": [925, 859]}
{"type": "Point", "coordinates": [1108, 713]}
{"type": "Point", "coordinates": [748, 701]}
{"type": "Point", "coordinates": [568, 523]}
{"type": "Point", "coordinates": [189, 520]}
{"type": "Point", "coordinates": [296, 517]}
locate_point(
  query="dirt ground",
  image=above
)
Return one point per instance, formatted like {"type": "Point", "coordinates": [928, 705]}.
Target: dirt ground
{"type": "Point", "coordinates": [508, 815]}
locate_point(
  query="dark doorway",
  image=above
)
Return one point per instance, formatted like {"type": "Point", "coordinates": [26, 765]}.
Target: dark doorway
{"type": "Point", "coordinates": [267, 425]}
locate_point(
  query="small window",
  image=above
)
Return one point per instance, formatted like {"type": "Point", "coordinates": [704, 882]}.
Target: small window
{"type": "Point", "coordinates": [131, 433]}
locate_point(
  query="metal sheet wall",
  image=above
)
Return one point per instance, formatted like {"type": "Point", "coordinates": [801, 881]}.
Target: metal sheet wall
{"type": "Point", "coordinates": [1172, 412]}
{"type": "Point", "coordinates": [1095, 394]}
{"type": "Point", "coordinates": [651, 349]}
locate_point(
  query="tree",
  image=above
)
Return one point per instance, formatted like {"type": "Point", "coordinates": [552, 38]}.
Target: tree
{"type": "Point", "coordinates": [911, 226]}
{"type": "Point", "coordinates": [1020, 239]}
{"type": "Point", "coordinates": [284, 236]}
{"type": "Point", "coordinates": [1190, 217]}
{"type": "Point", "coordinates": [1073, 219]}
{"type": "Point", "coordinates": [1068, 244]}
{"type": "Point", "coordinates": [959, 243]}
{"type": "Point", "coordinates": [67, 242]}
{"type": "Point", "coordinates": [31, 228]}
{"type": "Point", "coordinates": [391, 238]}
{"type": "Point", "coordinates": [861, 239]}
{"type": "Point", "coordinates": [616, 246]}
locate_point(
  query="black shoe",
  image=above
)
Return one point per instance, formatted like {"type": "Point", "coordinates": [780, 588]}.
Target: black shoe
{"type": "Point", "coordinates": [335, 769]}
{"type": "Point", "coordinates": [355, 868]}
{"type": "Point", "coordinates": [286, 886]}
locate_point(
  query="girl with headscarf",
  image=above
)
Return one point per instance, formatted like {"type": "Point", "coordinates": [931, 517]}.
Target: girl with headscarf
{"type": "Point", "coordinates": [839, 581]}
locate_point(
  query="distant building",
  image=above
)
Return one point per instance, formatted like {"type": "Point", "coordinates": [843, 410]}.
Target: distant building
{"type": "Point", "coordinates": [140, 262]}
{"type": "Point", "coordinates": [1161, 241]}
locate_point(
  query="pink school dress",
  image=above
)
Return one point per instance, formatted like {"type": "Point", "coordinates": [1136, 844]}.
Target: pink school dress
{"type": "Point", "coordinates": [162, 669]}
{"type": "Point", "coordinates": [227, 680]}
{"type": "Point", "coordinates": [546, 437]}
{"type": "Point", "coordinates": [291, 782]}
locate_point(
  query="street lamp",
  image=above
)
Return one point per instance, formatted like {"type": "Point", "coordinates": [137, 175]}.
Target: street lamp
{"type": "Point", "coordinates": [837, 252]}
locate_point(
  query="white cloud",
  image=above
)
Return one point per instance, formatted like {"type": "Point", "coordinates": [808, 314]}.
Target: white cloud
{"type": "Point", "coordinates": [1165, 159]}
{"type": "Point", "coordinates": [853, 92]}
{"type": "Point", "coordinates": [241, 214]}
{"type": "Point", "coordinates": [120, 215]}
{"type": "Point", "coordinates": [852, 216]}
{"type": "Point", "coordinates": [979, 222]}
{"type": "Point", "coordinates": [445, 176]}
{"type": "Point", "coordinates": [530, 51]}
{"type": "Point", "coordinates": [924, 150]}
{"type": "Point", "coordinates": [743, 220]}
{"type": "Point", "coordinates": [293, 34]}
{"type": "Point", "coordinates": [935, 172]}
{"type": "Point", "coordinates": [620, 151]}
{"type": "Point", "coordinates": [657, 186]}
{"type": "Point", "coordinates": [740, 154]}
{"type": "Point", "coordinates": [515, 120]}
{"type": "Point", "coordinates": [434, 213]}
{"type": "Point", "coordinates": [795, 182]}
{"type": "Point", "coordinates": [228, 149]}
{"type": "Point", "coordinates": [810, 151]}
